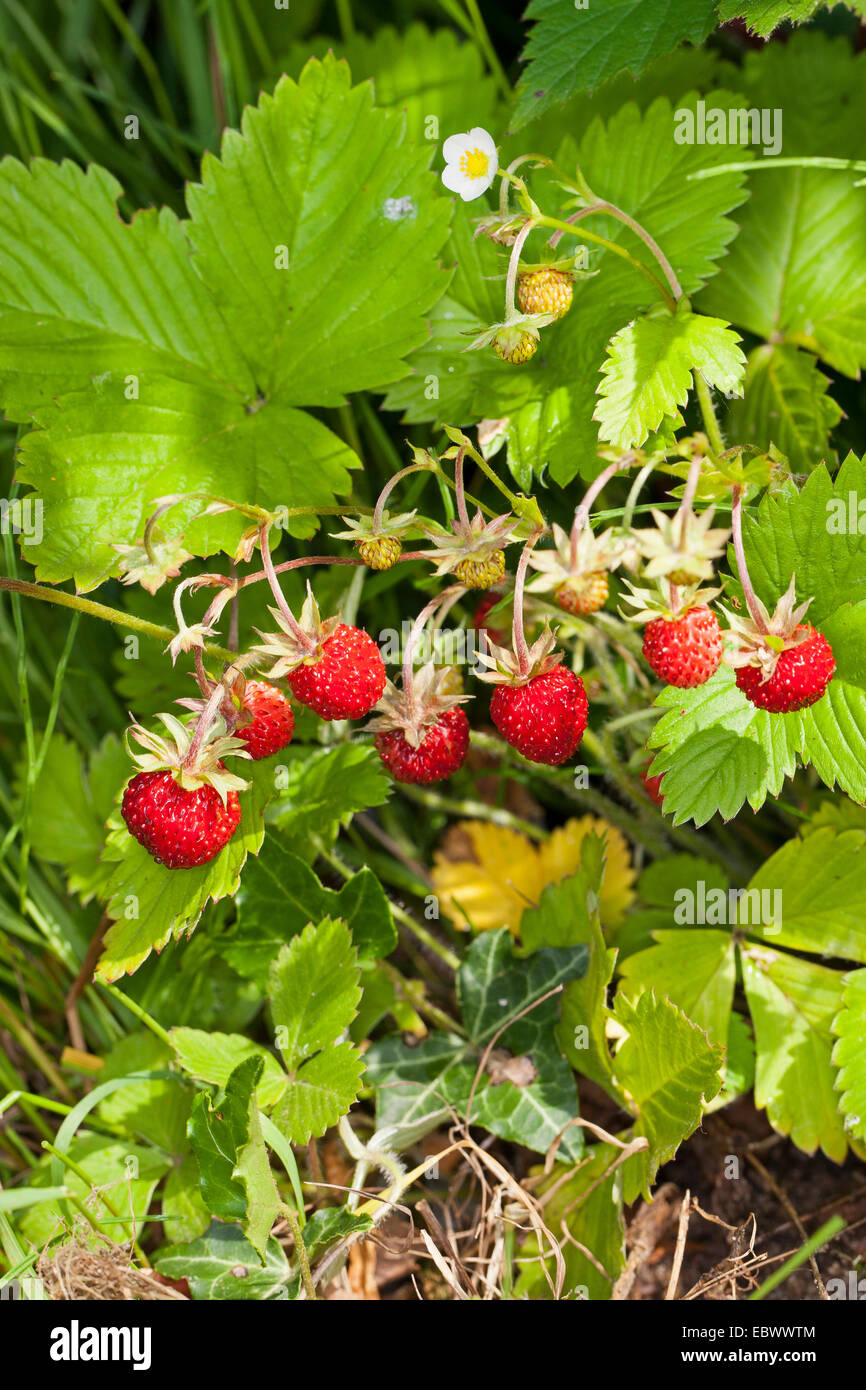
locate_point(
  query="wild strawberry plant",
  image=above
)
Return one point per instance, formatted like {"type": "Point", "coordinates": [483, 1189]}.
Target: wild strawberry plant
{"type": "Point", "coordinates": [463, 490]}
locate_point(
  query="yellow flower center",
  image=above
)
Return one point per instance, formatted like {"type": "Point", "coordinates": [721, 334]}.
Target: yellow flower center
{"type": "Point", "coordinates": [474, 163]}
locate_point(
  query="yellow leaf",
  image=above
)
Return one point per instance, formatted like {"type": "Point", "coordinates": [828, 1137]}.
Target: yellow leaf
{"type": "Point", "coordinates": [508, 873]}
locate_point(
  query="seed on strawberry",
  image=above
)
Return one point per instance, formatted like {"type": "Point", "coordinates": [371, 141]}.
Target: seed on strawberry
{"type": "Point", "coordinates": [380, 552]}
{"type": "Point", "coordinates": [543, 719]}
{"type": "Point", "coordinates": [442, 750]}
{"type": "Point", "coordinates": [546, 291]}
{"type": "Point", "coordinates": [514, 345]}
{"type": "Point", "coordinates": [686, 650]}
{"type": "Point", "coordinates": [272, 721]}
{"type": "Point", "coordinates": [181, 829]}
{"type": "Point", "coordinates": [344, 678]}
{"type": "Point", "coordinates": [800, 674]}
{"type": "Point", "coordinates": [583, 594]}
{"type": "Point", "coordinates": [481, 573]}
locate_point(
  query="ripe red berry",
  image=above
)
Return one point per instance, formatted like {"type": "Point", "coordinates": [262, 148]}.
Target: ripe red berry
{"type": "Point", "coordinates": [802, 674]}
{"type": "Point", "coordinates": [442, 749]}
{"type": "Point", "coordinates": [543, 719]}
{"type": "Point", "coordinates": [344, 679]}
{"type": "Point", "coordinates": [653, 787]}
{"type": "Point", "coordinates": [684, 651]}
{"type": "Point", "coordinates": [180, 828]}
{"type": "Point", "coordinates": [273, 722]}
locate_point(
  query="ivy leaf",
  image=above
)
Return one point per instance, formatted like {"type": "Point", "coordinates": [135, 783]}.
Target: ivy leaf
{"type": "Point", "coordinates": [214, 1056]}
{"type": "Point", "coordinates": [314, 996]}
{"type": "Point", "coordinates": [237, 1183]}
{"type": "Point", "coordinates": [823, 891]}
{"type": "Point", "coordinates": [569, 51]}
{"type": "Point", "coordinates": [329, 1225]}
{"type": "Point", "coordinates": [178, 352]}
{"type": "Point", "coordinates": [849, 1053]}
{"type": "Point", "coordinates": [185, 1216]}
{"type": "Point", "coordinates": [416, 1085]}
{"type": "Point", "coordinates": [786, 404]}
{"type": "Point", "coordinates": [647, 374]}
{"type": "Point", "coordinates": [280, 894]}
{"type": "Point", "coordinates": [793, 1003]}
{"type": "Point", "coordinates": [223, 1265]}
{"type": "Point", "coordinates": [668, 1070]}
{"type": "Point", "coordinates": [152, 905]}
{"type": "Point", "coordinates": [797, 273]}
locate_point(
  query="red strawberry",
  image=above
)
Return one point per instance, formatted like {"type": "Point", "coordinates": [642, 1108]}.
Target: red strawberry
{"type": "Point", "coordinates": [344, 678]}
{"type": "Point", "coordinates": [180, 828]}
{"type": "Point", "coordinates": [653, 786]}
{"type": "Point", "coordinates": [800, 675]}
{"type": "Point", "coordinates": [544, 718]}
{"type": "Point", "coordinates": [684, 651]}
{"type": "Point", "coordinates": [273, 722]}
{"type": "Point", "coordinates": [442, 749]}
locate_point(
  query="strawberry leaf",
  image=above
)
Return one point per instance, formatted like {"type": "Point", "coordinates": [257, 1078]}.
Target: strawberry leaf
{"type": "Point", "coordinates": [694, 969]}
{"type": "Point", "coordinates": [822, 885]}
{"type": "Point", "coordinates": [569, 51]}
{"type": "Point", "coordinates": [849, 1053]}
{"type": "Point", "coordinates": [214, 1056]}
{"type": "Point", "coordinates": [797, 273]}
{"type": "Point", "coordinates": [314, 994]}
{"type": "Point", "coordinates": [793, 1003]}
{"type": "Point", "coordinates": [668, 1070]}
{"type": "Point", "coordinates": [177, 352]}
{"type": "Point", "coordinates": [786, 404]}
{"type": "Point", "coordinates": [647, 373]}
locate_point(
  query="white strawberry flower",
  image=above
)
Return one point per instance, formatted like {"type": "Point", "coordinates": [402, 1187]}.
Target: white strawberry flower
{"type": "Point", "coordinates": [471, 163]}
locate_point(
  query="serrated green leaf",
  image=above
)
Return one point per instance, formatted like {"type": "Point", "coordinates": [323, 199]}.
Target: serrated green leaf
{"type": "Point", "coordinates": [785, 403]}
{"type": "Point", "coordinates": [280, 894]}
{"type": "Point", "coordinates": [214, 1056]}
{"type": "Point", "coordinates": [428, 74]}
{"type": "Point", "coordinates": [668, 1070]}
{"type": "Point", "coordinates": [763, 16]}
{"type": "Point", "coordinates": [322, 791]}
{"type": "Point", "coordinates": [176, 352]}
{"type": "Point", "coordinates": [569, 50]}
{"type": "Point", "coordinates": [822, 886]}
{"type": "Point", "coordinates": [647, 373]}
{"type": "Point", "coordinates": [797, 273]}
{"type": "Point", "coordinates": [314, 995]}
{"type": "Point", "coordinates": [793, 1003]}
{"type": "Point", "coordinates": [694, 969]}
{"type": "Point", "coordinates": [315, 330]}
{"type": "Point", "coordinates": [739, 1062]}
{"type": "Point", "coordinates": [152, 905]}
{"type": "Point", "coordinates": [849, 1053]}
{"type": "Point", "coordinates": [222, 1265]}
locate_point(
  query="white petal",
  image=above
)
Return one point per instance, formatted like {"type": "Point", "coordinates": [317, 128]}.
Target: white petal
{"type": "Point", "coordinates": [458, 182]}
{"type": "Point", "coordinates": [454, 147]}
{"type": "Point", "coordinates": [483, 140]}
